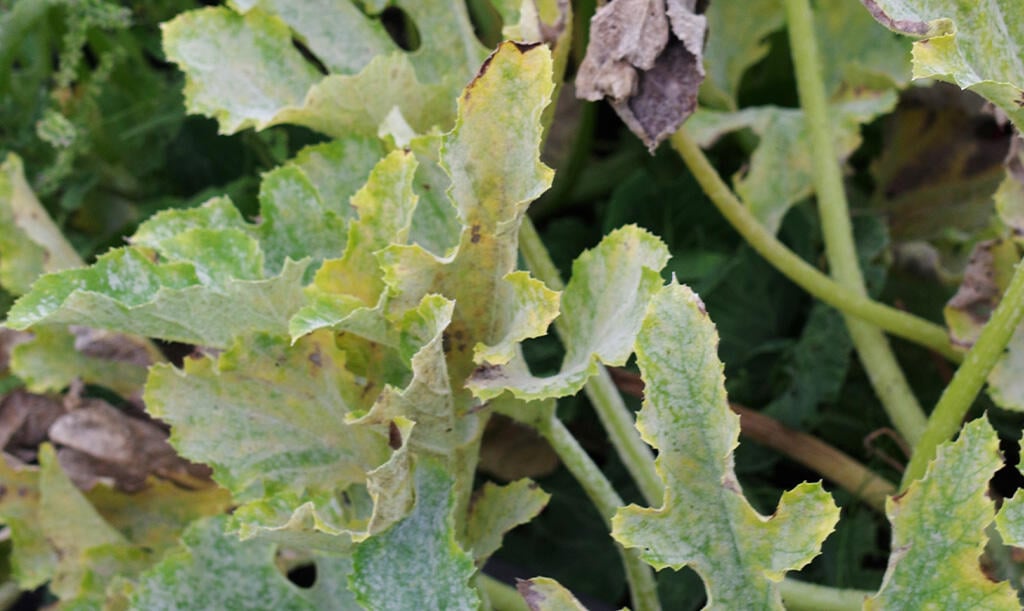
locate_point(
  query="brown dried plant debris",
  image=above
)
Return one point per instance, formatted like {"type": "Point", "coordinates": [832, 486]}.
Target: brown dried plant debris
{"type": "Point", "coordinates": [646, 58]}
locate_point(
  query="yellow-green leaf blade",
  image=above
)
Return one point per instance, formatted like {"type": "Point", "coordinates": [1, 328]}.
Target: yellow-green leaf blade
{"type": "Point", "coordinates": [705, 522]}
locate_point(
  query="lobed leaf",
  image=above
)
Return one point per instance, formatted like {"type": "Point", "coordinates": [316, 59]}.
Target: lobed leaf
{"type": "Point", "coordinates": [495, 510]}
{"type": "Point", "coordinates": [939, 531]}
{"type": "Point", "coordinates": [976, 46]}
{"type": "Point", "coordinates": [603, 306]}
{"type": "Point", "coordinates": [705, 521]}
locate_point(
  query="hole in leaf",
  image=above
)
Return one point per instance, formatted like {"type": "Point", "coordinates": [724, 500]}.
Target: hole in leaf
{"type": "Point", "coordinates": [308, 55]}
{"type": "Point", "coordinates": [303, 576]}
{"type": "Point", "coordinates": [401, 28]}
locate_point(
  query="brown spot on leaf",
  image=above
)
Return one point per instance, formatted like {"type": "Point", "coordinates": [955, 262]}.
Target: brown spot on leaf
{"type": "Point", "coordinates": [905, 26]}
{"type": "Point", "coordinates": [316, 358]}
{"type": "Point", "coordinates": [394, 436]}
{"type": "Point", "coordinates": [488, 372]}
{"type": "Point", "coordinates": [474, 233]}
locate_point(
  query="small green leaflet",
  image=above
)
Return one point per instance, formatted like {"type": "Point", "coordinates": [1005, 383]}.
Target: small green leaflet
{"type": "Point", "coordinates": [736, 41]}
{"type": "Point", "coordinates": [496, 510]}
{"type": "Point", "coordinates": [977, 45]}
{"type": "Point", "coordinates": [939, 531]}
{"type": "Point", "coordinates": [417, 563]}
{"type": "Point", "coordinates": [602, 308]}
{"type": "Point", "coordinates": [705, 522]}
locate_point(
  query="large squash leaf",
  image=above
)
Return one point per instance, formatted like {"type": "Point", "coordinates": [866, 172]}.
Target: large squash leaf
{"type": "Point", "coordinates": [705, 522]}
{"type": "Point", "coordinates": [976, 45]}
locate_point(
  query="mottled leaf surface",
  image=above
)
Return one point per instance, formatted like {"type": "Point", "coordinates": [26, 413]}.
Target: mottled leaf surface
{"type": "Point", "coordinates": [978, 46]}
{"type": "Point", "coordinates": [602, 308]}
{"type": "Point", "coordinates": [33, 559]}
{"type": "Point", "coordinates": [496, 510]}
{"type": "Point", "coordinates": [780, 171]}
{"type": "Point", "coordinates": [214, 570]}
{"type": "Point", "coordinates": [417, 563]}
{"type": "Point", "coordinates": [270, 419]}
{"type": "Point", "coordinates": [705, 522]}
{"type": "Point", "coordinates": [939, 531]}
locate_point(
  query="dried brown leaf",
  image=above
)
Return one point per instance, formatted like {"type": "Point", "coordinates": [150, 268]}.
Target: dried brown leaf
{"type": "Point", "coordinates": [645, 56]}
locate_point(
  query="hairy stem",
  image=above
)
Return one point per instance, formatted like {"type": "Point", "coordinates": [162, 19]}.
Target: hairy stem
{"type": "Point", "coordinates": [615, 416]}
{"type": "Point", "coordinates": [643, 588]}
{"type": "Point", "coordinates": [949, 412]}
{"type": "Point", "coordinates": [872, 346]}
{"type": "Point", "coordinates": [803, 274]}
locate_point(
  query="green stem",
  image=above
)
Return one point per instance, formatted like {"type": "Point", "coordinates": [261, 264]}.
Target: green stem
{"type": "Point", "coordinates": [502, 596]}
{"type": "Point", "coordinates": [872, 346]}
{"type": "Point", "coordinates": [806, 276]}
{"type": "Point", "coordinates": [949, 412]}
{"type": "Point", "coordinates": [615, 416]}
{"type": "Point", "coordinates": [643, 588]}
{"type": "Point", "coordinates": [803, 596]}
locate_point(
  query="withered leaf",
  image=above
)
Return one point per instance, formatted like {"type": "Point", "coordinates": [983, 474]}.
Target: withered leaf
{"type": "Point", "coordinates": [645, 57]}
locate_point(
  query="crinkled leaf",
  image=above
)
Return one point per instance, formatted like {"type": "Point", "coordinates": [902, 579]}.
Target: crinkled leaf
{"type": "Point", "coordinates": [351, 285]}
{"type": "Point", "coordinates": [645, 56]}
{"type": "Point", "coordinates": [500, 109]}
{"type": "Point", "coordinates": [30, 243]}
{"type": "Point", "coordinates": [978, 46]}
{"type": "Point", "coordinates": [705, 522]}
{"type": "Point", "coordinates": [369, 75]}
{"type": "Point", "coordinates": [534, 307]}
{"type": "Point", "coordinates": [543, 594]}
{"type": "Point", "coordinates": [495, 510]}
{"type": "Point", "coordinates": [124, 291]}
{"type": "Point", "coordinates": [780, 170]}
{"type": "Point", "coordinates": [939, 531]}
{"type": "Point", "coordinates": [214, 570]}
{"type": "Point", "coordinates": [304, 204]}
{"type": "Point", "coordinates": [1010, 520]}
{"type": "Point", "coordinates": [269, 418]}
{"type": "Point", "coordinates": [602, 308]}
{"type": "Point", "coordinates": [417, 563]}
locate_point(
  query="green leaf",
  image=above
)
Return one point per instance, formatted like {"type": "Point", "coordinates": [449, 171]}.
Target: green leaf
{"type": "Point", "coordinates": [736, 33]}
{"type": "Point", "coordinates": [779, 173]}
{"type": "Point", "coordinates": [500, 109]}
{"type": "Point", "coordinates": [939, 531]}
{"type": "Point", "coordinates": [215, 570]}
{"type": "Point", "coordinates": [304, 204]}
{"type": "Point", "coordinates": [705, 521]}
{"type": "Point", "coordinates": [270, 419]}
{"type": "Point", "coordinates": [126, 292]}
{"type": "Point", "coordinates": [30, 243]}
{"type": "Point", "coordinates": [417, 563]}
{"type": "Point", "coordinates": [976, 46]}
{"type": "Point", "coordinates": [495, 510]}
{"type": "Point", "coordinates": [1010, 520]}
{"type": "Point", "coordinates": [543, 594]}
{"type": "Point", "coordinates": [51, 360]}
{"type": "Point", "coordinates": [369, 75]}
{"type": "Point", "coordinates": [602, 308]}
{"type": "Point", "coordinates": [33, 559]}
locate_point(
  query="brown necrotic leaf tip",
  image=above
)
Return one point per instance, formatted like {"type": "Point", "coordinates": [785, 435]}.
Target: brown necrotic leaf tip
{"type": "Point", "coordinates": [646, 58]}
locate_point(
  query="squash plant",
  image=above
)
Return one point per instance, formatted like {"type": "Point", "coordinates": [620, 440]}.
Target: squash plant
{"type": "Point", "coordinates": [353, 343]}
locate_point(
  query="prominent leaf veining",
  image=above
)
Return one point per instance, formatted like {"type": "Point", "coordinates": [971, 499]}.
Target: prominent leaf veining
{"type": "Point", "coordinates": [939, 531]}
{"type": "Point", "coordinates": [705, 522]}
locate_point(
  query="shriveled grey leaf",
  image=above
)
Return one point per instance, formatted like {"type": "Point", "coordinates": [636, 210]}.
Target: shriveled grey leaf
{"type": "Point", "coordinates": [645, 57]}
{"type": "Point", "coordinates": [25, 418]}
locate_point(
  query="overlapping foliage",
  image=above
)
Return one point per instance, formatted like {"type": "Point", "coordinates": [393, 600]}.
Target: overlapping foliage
{"type": "Point", "coordinates": [355, 322]}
